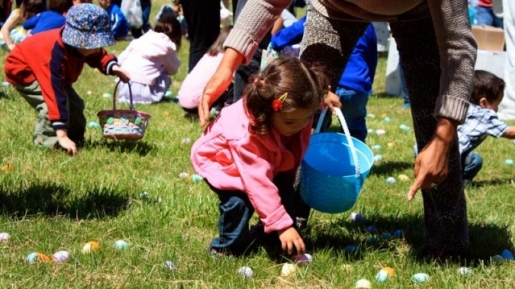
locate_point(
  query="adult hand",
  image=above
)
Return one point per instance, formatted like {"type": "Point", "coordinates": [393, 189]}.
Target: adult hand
{"type": "Point", "coordinates": [121, 73]}
{"type": "Point", "coordinates": [291, 239]}
{"type": "Point", "coordinates": [432, 163]}
{"type": "Point", "coordinates": [218, 83]}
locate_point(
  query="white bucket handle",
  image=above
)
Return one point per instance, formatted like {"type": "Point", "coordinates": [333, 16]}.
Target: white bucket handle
{"type": "Point", "coordinates": [339, 114]}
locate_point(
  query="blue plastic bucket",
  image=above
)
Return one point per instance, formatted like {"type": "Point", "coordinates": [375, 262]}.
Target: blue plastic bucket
{"type": "Point", "coordinates": [334, 169]}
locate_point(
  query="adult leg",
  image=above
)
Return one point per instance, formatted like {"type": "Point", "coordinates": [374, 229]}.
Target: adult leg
{"type": "Point", "coordinates": [203, 19]}
{"type": "Point", "coordinates": [445, 211]}
{"type": "Point", "coordinates": [76, 119]}
{"type": "Point", "coordinates": [328, 43]}
{"type": "Point", "coordinates": [44, 133]}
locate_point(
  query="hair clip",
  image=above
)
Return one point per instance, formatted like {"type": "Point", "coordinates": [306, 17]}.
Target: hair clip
{"type": "Point", "coordinates": [277, 104]}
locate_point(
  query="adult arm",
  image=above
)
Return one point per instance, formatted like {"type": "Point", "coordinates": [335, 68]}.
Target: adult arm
{"type": "Point", "coordinates": [458, 50]}
{"type": "Point", "coordinates": [252, 24]}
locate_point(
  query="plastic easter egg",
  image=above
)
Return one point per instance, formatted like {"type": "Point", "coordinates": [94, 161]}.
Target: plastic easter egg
{"type": "Point", "coordinates": [351, 249]}
{"type": "Point", "coordinates": [508, 162]}
{"type": "Point", "coordinates": [143, 195]}
{"type": "Point", "coordinates": [386, 235]}
{"type": "Point", "coordinates": [391, 144]}
{"type": "Point", "coordinates": [371, 115]}
{"type": "Point", "coordinates": [464, 271]}
{"type": "Point", "coordinates": [288, 269]}
{"type": "Point", "coordinates": [89, 247]}
{"type": "Point", "coordinates": [378, 158]}
{"type": "Point", "coordinates": [372, 240]}
{"type": "Point", "coordinates": [381, 276]}
{"type": "Point", "coordinates": [389, 271]}
{"type": "Point", "coordinates": [93, 124]}
{"type": "Point", "coordinates": [5, 83]}
{"type": "Point", "coordinates": [61, 256]}
{"type": "Point", "coordinates": [246, 272]}
{"type": "Point", "coordinates": [363, 284]}
{"type": "Point", "coordinates": [497, 259]}
{"type": "Point", "coordinates": [507, 255]}
{"type": "Point", "coordinates": [380, 131]}
{"type": "Point", "coordinates": [4, 237]}
{"type": "Point", "coordinates": [168, 93]}
{"type": "Point", "coordinates": [387, 119]}
{"type": "Point", "coordinates": [403, 178]}
{"type": "Point", "coordinates": [376, 147]}
{"type": "Point", "coordinates": [186, 140]}
{"type": "Point", "coordinates": [420, 277]}
{"type": "Point", "coordinates": [107, 95]}
{"type": "Point", "coordinates": [37, 257]}
{"type": "Point", "coordinates": [120, 245]}
{"type": "Point", "coordinates": [397, 234]}
{"type": "Point", "coordinates": [196, 178]}
{"type": "Point", "coordinates": [32, 257]}
{"type": "Point", "coordinates": [183, 175]}
{"type": "Point", "coordinates": [170, 265]}
{"type": "Point", "coordinates": [404, 127]}
{"type": "Point", "coordinates": [89, 92]}
{"type": "Point", "coordinates": [356, 217]}
{"type": "Point", "coordinates": [371, 229]}
{"type": "Point", "coordinates": [391, 180]}
{"type": "Point", "coordinates": [303, 259]}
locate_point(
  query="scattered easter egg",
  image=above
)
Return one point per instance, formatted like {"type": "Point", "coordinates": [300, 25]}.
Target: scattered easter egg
{"type": "Point", "coordinates": [371, 115]}
{"type": "Point", "coordinates": [168, 93]}
{"type": "Point", "coordinates": [4, 237]}
{"type": "Point", "coordinates": [508, 162]}
{"type": "Point", "coordinates": [381, 276]}
{"type": "Point", "coordinates": [89, 247]}
{"type": "Point", "coordinates": [371, 229]}
{"type": "Point", "coordinates": [246, 272]}
{"type": "Point", "coordinates": [403, 178]}
{"type": "Point", "coordinates": [376, 147]}
{"type": "Point", "coordinates": [464, 271]}
{"type": "Point", "coordinates": [5, 83]}
{"type": "Point", "coordinates": [288, 269]}
{"type": "Point", "coordinates": [89, 92]}
{"type": "Point", "coordinates": [351, 249]}
{"type": "Point", "coordinates": [497, 259]}
{"type": "Point", "coordinates": [166, 113]}
{"type": "Point", "coordinates": [186, 140]}
{"type": "Point", "coordinates": [356, 217]}
{"type": "Point", "coordinates": [196, 178]}
{"type": "Point", "coordinates": [183, 175]}
{"type": "Point", "coordinates": [404, 127]}
{"type": "Point", "coordinates": [387, 119]}
{"type": "Point", "coordinates": [378, 158]}
{"type": "Point", "coordinates": [507, 255]}
{"type": "Point", "coordinates": [93, 124]}
{"type": "Point", "coordinates": [61, 256]}
{"type": "Point", "coordinates": [303, 259]}
{"type": "Point", "coordinates": [32, 257]}
{"type": "Point", "coordinates": [380, 131]}
{"type": "Point", "coordinates": [107, 95]}
{"type": "Point", "coordinates": [363, 284]}
{"type": "Point", "coordinates": [397, 234]}
{"type": "Point", "coordinates": [372, 240]}
{"type": "Point", "coordinates": [386, 235]}
{"type": "Point", "coordinates": [370, 130]}
{"type": "Point", "coordinates": [420, 277]}
{"type": "Point", "coordinates": [391, 144]}
{"type": "Point", "coordinates": [143, 195]}
{"type": "Point", "coordinates": [170, 265]}
{"type": "Point", "coordinates": [37, 257]}
{"type": "Point", "coordinates": [120, 245]}
{"type": "Point", "coordinates": [137, 121]}
{"type": "Point", "coordinates": [389, 271]}
{"type": "Point", "coordinates": [391, 180]}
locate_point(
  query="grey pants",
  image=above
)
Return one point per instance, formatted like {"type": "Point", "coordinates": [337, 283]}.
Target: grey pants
{"type": "Point", "coordinates": [44, 133]}
{"type": "Point", "coordinates": [327, 42]}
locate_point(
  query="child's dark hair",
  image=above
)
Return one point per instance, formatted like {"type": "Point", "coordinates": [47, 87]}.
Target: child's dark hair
{"type": "Point", "coordinates": [486, 85]}
{"type": "Point", "coordinates": [170, 26]}
{"type": "Point", "coordinates": [305, 86]}
{"type": "Point", "coordinates": [29, 8]}
{"type": "Point", "coordinates": [218, 45]}
{"type": "Point", "coordinates": [60, 6]}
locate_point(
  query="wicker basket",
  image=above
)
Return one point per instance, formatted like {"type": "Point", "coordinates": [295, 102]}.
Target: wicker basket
{"type": "Point", "coordinates": [123, 124]}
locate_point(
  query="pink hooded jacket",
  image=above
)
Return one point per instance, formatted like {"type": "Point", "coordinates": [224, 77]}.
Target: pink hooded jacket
{"type": "Point", "coordinates": [230, 157]}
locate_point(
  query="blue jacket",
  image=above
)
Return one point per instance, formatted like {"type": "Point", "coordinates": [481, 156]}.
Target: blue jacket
{"type": "Point", "coordinates": [44, 21]}
{"type": "Point", "coordinates": [119, 24]}
{"type": "Point", "coordinates": [361, 67]}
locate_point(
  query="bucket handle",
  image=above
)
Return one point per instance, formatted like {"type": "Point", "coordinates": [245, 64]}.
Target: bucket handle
{"type": "Point", "coordinates": [131, 105]}
{"type": "Point", "coordinates": [340, 116]}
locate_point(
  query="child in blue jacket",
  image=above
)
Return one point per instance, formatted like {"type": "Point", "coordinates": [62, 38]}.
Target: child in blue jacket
{"type": "Point", "coordinates": [119, 24]}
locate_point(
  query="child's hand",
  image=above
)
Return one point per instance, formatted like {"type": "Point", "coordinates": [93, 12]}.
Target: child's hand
{"type": "Point", "coordinates": [65, 142]}
{"type": "Point", "coordinates": [121, 73]}
{"type": "Point", "coordinates": [11, 46]}
{"type": "Point", "coordinates": [290, 238]}
{"type": "Point", "coordinates": [332, 100]}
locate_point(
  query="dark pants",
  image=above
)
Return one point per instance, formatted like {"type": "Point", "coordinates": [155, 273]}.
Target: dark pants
{"type": "Point", "coordinates": [146, 6]}
{"type": "Point", "coordinates": [236, 211]}
{"type": "Point", "coordinates": [203, 20]}
{"type": "Point", "coordinates": [241, 77]}
{"type": "Point", "coordinates": [472, 164]}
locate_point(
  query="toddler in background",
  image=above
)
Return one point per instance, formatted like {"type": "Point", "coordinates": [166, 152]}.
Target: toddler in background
{"type": "Point", "coordinates": [50, 19]}
{"type": "Point", "coordinates": [12, 31]}
{"type": "Point", "coordinates": [250, 153]}
{"type": "Point", "coordinates": [119, 24]}
{"type": "Point", "coordinates": [150, 60]}
{"type": "Point", "coordinates": [43, 68]}
{"type": "Point", "coordinates": [194, 83]}
{"type": "Point", "coordinates": [481, 121]}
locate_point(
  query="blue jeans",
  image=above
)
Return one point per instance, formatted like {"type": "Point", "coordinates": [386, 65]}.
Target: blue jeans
{"type": "Point", "coordinates": [354, 108]}
{"type": "Point", "coordinates": [486, 16]}
{"type": "Point", "coordinates": [472, 164]}
{"type": "Point", "coordinates": [236, 210]}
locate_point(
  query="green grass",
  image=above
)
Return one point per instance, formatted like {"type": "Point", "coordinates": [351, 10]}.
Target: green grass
{"type": "Point", "coordinates": [50, 201]}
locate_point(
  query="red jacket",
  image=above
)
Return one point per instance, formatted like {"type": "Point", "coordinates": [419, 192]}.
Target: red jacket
{"type": "Point", "coordinates": [44, 58]}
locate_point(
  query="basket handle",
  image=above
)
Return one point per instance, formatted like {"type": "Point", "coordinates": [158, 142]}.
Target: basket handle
{"type": "Point", "coordinates": [340, 116]}
{"type": "Point", "coordinates": [131, 105]}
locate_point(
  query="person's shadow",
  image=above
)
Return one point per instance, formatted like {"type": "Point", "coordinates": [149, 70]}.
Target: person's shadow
{"type": "Point", "coordinates": [356, 239]}
{"type": "Point", "coordinates": [51, 199]}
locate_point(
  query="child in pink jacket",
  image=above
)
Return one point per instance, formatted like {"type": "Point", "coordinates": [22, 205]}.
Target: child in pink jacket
{"type": "Point", "coordinates": [249, 155]}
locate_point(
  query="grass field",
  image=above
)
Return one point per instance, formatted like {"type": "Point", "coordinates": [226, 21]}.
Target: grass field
{"type": "Point", "coordinates": [50, 202]}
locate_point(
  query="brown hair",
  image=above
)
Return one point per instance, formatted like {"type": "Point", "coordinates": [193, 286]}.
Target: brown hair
{"type": "Point", "coordinates": [170, 26]}
{"type": "Point", "coordinates": [60, 6]}
{"type": "Point", "coordinates": [218, 45]}
{"type": "Point", "coordinates": [29, 8]}
{"type": "Point", "coordinates": [486, 85]}
{"type": "Point", "coordinates": [305, 86]}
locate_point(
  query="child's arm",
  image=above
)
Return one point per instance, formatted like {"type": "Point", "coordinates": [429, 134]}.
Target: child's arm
{"type": "Point", "coordinates": [9, 24]}
{"type": "Point", "coordinates": [509, 133]}
{"type": "Point", "coordinates": [171, 62]}
{"type": "Point", "coordinates": [107, 64]}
